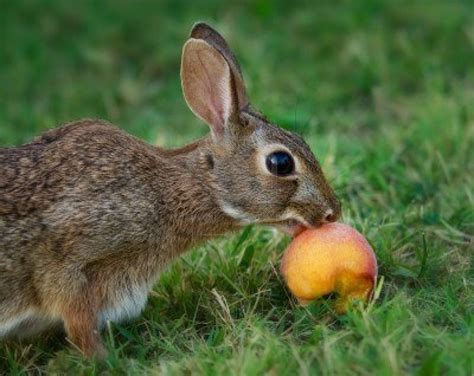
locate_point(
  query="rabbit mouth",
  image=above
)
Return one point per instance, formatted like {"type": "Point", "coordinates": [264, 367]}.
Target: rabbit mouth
{"type": "Point", "coordinates": [292, 227]}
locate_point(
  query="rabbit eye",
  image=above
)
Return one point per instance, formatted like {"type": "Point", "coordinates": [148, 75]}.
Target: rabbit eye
{"type": "Point", "coordinates": [280, 163]}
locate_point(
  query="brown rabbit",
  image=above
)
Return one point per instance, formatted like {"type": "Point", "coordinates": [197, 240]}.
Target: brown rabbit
{"type": "Point", "coordinates": [90, 215]}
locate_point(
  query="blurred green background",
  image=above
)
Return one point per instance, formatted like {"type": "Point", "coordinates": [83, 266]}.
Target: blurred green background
{"type": "Point", "coordinates": [304, 63]}
{"type": "Point", "coordinates": [383, 91]}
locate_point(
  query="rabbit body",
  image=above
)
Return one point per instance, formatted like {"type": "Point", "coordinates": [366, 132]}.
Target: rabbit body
{"type": "Point", "coordinates": [89, 208]}
{"type": "Point", "coordinates": [89, 215]}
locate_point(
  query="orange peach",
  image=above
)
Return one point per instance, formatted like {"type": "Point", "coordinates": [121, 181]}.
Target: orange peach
{"type": "Point", "coordinates": [332, 258]}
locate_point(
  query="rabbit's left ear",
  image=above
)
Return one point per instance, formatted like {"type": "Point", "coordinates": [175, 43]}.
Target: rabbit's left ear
{"type": "Point", "coordinates": [211, 79]}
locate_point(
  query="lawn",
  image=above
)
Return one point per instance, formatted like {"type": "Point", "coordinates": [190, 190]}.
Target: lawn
{"type": "Point", "coordinates": [383, 91]}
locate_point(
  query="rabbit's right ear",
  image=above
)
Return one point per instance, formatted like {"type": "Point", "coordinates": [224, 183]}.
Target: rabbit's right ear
{"type": "Point", "coordinates": [211, 79]}
{"type": "Point", "coordinates": [202, 30]}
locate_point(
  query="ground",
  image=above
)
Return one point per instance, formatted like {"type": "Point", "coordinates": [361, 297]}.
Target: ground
{"type": "Point", "coordinates": [383, 91]}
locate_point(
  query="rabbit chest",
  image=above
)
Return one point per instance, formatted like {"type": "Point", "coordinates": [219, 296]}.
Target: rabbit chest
{"type": "Point", "coordinates": [124, 291]}
{"type": "Point", "coordinates": [125, 302]}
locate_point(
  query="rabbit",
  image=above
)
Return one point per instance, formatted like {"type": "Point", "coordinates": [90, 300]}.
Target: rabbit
{"type": "Point", "coordinates": [90, 215]}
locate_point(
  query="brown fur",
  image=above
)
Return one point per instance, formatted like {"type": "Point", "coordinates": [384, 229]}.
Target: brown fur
{"type": "Point", "coordinates": [89, 215]}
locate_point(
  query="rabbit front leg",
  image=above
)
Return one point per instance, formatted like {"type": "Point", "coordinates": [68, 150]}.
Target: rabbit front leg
{"type": "Point", "coordinates": [82, 327]}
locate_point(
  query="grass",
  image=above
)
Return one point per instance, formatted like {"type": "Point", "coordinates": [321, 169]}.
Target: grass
{"type": "Point", "coordinates": [382, 91]}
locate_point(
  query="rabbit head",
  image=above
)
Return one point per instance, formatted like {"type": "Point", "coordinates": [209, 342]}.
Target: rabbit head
{"type": "Point", "coordinates": [260, 173]}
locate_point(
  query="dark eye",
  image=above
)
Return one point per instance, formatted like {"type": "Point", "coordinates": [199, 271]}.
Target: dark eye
{"type": "Point", "coordinates": [280, 163]}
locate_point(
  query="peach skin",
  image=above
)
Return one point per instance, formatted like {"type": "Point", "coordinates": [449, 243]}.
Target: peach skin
{"type": "Point", "coordinates": [332, 258]}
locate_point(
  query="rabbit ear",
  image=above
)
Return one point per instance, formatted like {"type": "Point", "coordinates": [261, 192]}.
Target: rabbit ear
{"type": "Point", "coordinates": [205, 32]}
{"type": "Point", "coordinates": [211, 79]}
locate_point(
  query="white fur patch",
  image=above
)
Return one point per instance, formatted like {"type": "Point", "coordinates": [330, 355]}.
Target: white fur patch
{"type": "Point", "coordinates": [290, 214]}
{"type": "Point", "coordinates": [128, 304]}
{"type": "Point", "coordinates": [9, 326]}
{"type": "Point", "coordinates": [237, 214]}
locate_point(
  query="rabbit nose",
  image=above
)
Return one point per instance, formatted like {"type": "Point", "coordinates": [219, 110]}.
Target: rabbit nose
{"type": "Point", "coordinates": [330, 216]}
{"type": "Point", "coordinates": [333, 213]}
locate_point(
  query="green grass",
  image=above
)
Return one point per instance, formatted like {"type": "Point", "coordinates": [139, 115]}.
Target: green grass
{"type": "Point", "coordinates": [382, 90]}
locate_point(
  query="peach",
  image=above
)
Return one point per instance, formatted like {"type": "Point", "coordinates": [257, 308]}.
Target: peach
{"type": "Point", "coordinates": [332, 258]}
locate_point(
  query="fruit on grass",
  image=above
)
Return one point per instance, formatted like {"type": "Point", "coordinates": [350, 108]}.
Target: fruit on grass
{"type": "Point", "coordinates": [333, 258]}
